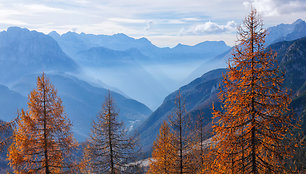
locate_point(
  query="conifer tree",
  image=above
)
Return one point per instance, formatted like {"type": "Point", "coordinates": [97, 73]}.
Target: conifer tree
{"type": "Point", "coordinates": [42, 140]}
{"type": "Point", "coordinates": [164, 154]}
{"type": "Point", "coordinates": [109, 148]}
{"type": "Point", "coordinates": [252, 126]}
{"type": "Point", "coordinates": [180, 126]}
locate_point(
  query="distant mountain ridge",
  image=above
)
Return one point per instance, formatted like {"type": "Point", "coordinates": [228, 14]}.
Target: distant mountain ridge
{"type": "Point", "coordinates": [136, 57]}
{"type": "Point", "coordinates": [72, 42]}
{"type": "Point", "coordinates": [281, 32]}
{"type": "Point", "coordinates": [23, 51]}
{"type": "Point", "coordinates": [286, 32]}
{"type": "Point", "coordinates": [208, 47]}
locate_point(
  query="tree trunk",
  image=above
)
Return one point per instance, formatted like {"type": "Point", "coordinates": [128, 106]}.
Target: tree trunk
{"type": "Point", "coordinates": [45, 134]}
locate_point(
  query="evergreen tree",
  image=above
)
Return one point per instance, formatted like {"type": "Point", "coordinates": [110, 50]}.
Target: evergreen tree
{"type": "Point", "coordinates": [251, 129]}
{"type": "Point", "coordinates": [164, 154]}
{"type": "Point", "coordinates": [42, 140]}
{"type": "Point", "coordinates": [109, 148]}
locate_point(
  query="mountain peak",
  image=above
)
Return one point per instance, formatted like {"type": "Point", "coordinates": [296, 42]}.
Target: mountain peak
{"type": "Point", "coordinates": [71, 33]}
{"type": "Point", "coordinates": [144, 40]}
{"type": "Point", "coordinates": [298, 21]}
{"type": "Point", "coordinates": [286, 32]}
{"type": "Point", "coordinates": [120, 35]}
{"type": "Point", "coordinates": [212, 43]}
{"type": "Point", "coordinates": [179, 45]}
{"type": "Point", "coordinates": [32, 51]}
{"type": "Point", "coordinates": [16, 29]}
{"type": "Point", "coordinates": [54, 34]}
{"type": "Point", "coordinates": [203, 44]}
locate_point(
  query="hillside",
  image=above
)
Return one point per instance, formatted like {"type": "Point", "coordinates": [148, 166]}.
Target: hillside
{"type": "Point", "coordinates": [202, 92]}
{"type": "Point", "coordinates": [198, 95]}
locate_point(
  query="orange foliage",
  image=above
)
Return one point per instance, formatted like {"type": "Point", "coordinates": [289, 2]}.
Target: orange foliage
{"type": "Point", "coordinates": [164, 155]}
{"type": "Point", "coordinates": [251, 128]}
{"type": "Point", "coordinates": [42, 140]}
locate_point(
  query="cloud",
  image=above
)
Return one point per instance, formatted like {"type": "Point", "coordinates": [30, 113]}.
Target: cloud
{"type": "Point", "coordinates": [12, 22]}
{"type": "Point", "coordinates": [82, 1]}
{"type": "Point", "coordinates": [145, 18]}
{"type": "Point", "coordinates": [40, 8]}
{"type": "Point", "coordinates": [108, 28]}
{"type": "Point", "coordinates": [191, 19]}
{"type": "Point", "coordinates": [128, 20]}
{"type": "Point", "coordinates": [277, 7]}
{"type": "Point", "coordinates": [210, 28]}
{"type": "Point", "coordinates": [175, 21]}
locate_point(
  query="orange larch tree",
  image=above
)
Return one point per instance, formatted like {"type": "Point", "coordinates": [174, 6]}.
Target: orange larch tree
{"type": "Point", "coordinates": [42, 140]}
{"type": "Point", "coordinates": [164, 154]}
{"type": "Point", "coordinates": [250, 130]}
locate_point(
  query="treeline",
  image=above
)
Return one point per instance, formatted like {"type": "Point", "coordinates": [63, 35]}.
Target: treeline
{"type": "Point", "coordinates": [254, 131]}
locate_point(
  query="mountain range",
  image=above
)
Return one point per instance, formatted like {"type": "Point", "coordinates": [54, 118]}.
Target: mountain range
{"type": "Point", "coordinates": [26, 54]}
{"type": "Point", "coordinates": [107, 58]}
{"type": "Point", "coordinates": [133, 60]}
{"type": "Point", "coordinates": [83, 66]}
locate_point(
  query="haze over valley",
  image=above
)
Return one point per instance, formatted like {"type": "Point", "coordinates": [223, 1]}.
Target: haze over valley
{"type": "Point", "coordinates": [84, 66]}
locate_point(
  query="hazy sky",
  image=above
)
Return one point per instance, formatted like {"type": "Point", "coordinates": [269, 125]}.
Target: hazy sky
{"type": "Point", "coordinates": [164, 22]}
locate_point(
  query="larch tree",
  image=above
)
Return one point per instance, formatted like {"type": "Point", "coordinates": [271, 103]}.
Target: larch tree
{"type": "Point", "coordinates": [42, 140]}
{"type": "Point", "coordinates": [255, 119]}
{"type": "Point", "coordinates": [109, 149]}
{"type": "Point", "coordinates": [180, 123]}
{"type": "Point", "coordinates": [164, 154]}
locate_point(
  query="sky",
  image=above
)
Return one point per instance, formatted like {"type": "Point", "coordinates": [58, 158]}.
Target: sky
{"type": "Point", "coordinates": [164, 22]}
